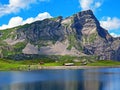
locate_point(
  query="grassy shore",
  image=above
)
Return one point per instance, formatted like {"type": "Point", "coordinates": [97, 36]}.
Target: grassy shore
{"type": "Point", "coordinates": [6, 65]}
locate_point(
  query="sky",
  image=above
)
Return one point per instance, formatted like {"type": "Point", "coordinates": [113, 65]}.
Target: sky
{"type": "Point", "coordinates": [20, 12]}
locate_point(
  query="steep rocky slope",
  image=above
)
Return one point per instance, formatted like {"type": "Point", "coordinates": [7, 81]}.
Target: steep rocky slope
{"type": "Point", "coordinates": [77, 35]}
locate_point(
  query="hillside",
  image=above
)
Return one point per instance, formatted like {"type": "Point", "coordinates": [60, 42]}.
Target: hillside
{"type": "Point", "coordinates": [77, 35]}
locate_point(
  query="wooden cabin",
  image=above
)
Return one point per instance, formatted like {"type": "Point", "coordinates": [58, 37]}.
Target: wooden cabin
{"type": "Point", "coordinates": [68, 64]}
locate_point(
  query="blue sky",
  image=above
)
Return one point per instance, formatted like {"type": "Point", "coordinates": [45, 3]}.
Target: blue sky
{"type": "Point", "coordinates": [19, 12]}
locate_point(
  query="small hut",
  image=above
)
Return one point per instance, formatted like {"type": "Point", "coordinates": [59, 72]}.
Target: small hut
{"type": "Point", "coordinates": [68, 64]}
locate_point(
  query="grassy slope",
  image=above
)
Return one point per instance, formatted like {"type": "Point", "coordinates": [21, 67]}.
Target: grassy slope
{"type": "Point", "coordinates": [24, 65]}
{"type": "Point", "coordinates": [8, 65]}
{"type": "Point", "coordinates": [105, 63]}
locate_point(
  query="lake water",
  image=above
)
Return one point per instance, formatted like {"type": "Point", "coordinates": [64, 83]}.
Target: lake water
{"type": "Point", "coordinates": [85, 79]}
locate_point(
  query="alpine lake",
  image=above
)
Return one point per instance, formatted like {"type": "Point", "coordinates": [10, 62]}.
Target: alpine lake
{"type": "Point", "coordinates": [61, 79]}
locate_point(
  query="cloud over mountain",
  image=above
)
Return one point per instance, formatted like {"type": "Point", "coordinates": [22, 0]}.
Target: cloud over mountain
{"type": "Point", "coordinates": [15, 6]}
{"type": "Point", "coordinates": [110, 23]}
{"type": "Point", "coordinates": [90, 4]}
{"type": "Point", "coordinates": [16, 21]}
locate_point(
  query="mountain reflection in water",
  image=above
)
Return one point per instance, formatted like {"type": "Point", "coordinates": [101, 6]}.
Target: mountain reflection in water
{"type": "Point", "coordinates": [87, 79]}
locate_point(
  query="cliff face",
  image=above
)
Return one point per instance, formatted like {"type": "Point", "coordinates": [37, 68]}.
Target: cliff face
{"type": "Point", "coordinates": [92, 37]}
{"type": "Point", "coordinates": [77, 35]}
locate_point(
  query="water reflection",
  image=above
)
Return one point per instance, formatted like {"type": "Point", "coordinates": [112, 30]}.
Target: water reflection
{"type": "Point", "coordinates": [91, 84]}
{"type": "Point", "coordinates": [91, 79]}
{"type": "Point", "coordinates": [112, 79]}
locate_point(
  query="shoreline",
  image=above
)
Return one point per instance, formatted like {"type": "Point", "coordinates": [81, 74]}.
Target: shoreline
{"type": "Point", "coordinates": [60, 68]}
{"type": "Point", "coordinates": [75, 67]}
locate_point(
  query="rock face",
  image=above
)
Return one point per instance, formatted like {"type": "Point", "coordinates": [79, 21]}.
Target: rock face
{"type": "Point", "coordinates": [30, 49]}
{"type": "Point", "coordinates": [77, 35]}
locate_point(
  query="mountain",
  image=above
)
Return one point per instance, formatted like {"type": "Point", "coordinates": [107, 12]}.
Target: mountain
{"type": "Point", "coordinates": [77, 35]}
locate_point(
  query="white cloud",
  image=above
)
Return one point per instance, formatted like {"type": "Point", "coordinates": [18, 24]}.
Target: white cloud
{"type": "Point", "coordinates": [16, 21]}
{"type": "Point", "coordinates": [110, 23]}
{"type": "Point", "coordinates": [16, 5]}
{"type": "Point", "coordinates": [90, 4]}
{"type": "Point", "coordinates": [114, 35]}
{"type": "Point", "coordinates": [20, 3]}
{"type": "Point", "coordinates": [85, 4]}
{"type": "Point", "coordinates": [40, 16]}
{"type": "Point", "coordinates": [97, 4]}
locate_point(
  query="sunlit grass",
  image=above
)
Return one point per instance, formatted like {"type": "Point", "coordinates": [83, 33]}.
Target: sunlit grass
{"type": "Point", "coordinates": [104, 63]}
{"type": "Point", "coordinates": [52, 64]}
{"type": "Point", "coordinates": [6, 65]}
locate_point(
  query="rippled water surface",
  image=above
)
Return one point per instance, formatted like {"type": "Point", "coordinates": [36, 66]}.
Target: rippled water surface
{"type": "Point", "coordinates": [85, 79]}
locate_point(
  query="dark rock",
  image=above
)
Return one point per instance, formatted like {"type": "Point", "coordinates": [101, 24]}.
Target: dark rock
{"type": "Point", "coordinates": [82, 30]}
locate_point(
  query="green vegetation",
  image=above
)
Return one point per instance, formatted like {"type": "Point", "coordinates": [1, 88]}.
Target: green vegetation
{"type": "Point", "coordinates": [92, 37]}
{"type": "Point", "coordinates": [54, 19]}
{"type": "Point", "coordinates": [24, 26]}
{"type": "Point", "coordinates": [7, 50]}
{"type": "Point", "coordinates": [19, 47]}
{"type": "Point", "coordinates": [6, 64]}
{"type": "Point", "coordinates": [3, 43]}
{"type": "Point", "coordinates": [79, 46]}
{"type": "Point", "coordinates": [89, 38]}
{"type": "Point", "coordinates": [72, 41]}
{"type": "Point", "coordinates": [8, 33]}
{"type": "Point", "coordinates": [84, 39]}
{"type": "Point", "coordinates": [11, 32]}
{"type": "Point", "coordinates": [104, 63]}
{"type": "Point", "coordinates": [44, 43]}
{"type": "Point", "coordinates": [53, 64]}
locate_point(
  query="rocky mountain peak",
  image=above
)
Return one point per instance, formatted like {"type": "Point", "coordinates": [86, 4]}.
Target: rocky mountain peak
{"type": "Point", "coordinates": [80, 34]}
{"type": "Point", "coordinates": [90, 12]}
{"type": "Point", "coordinates": [86, 17]}
{"type": "Point", "coordinates": [87, 23]}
